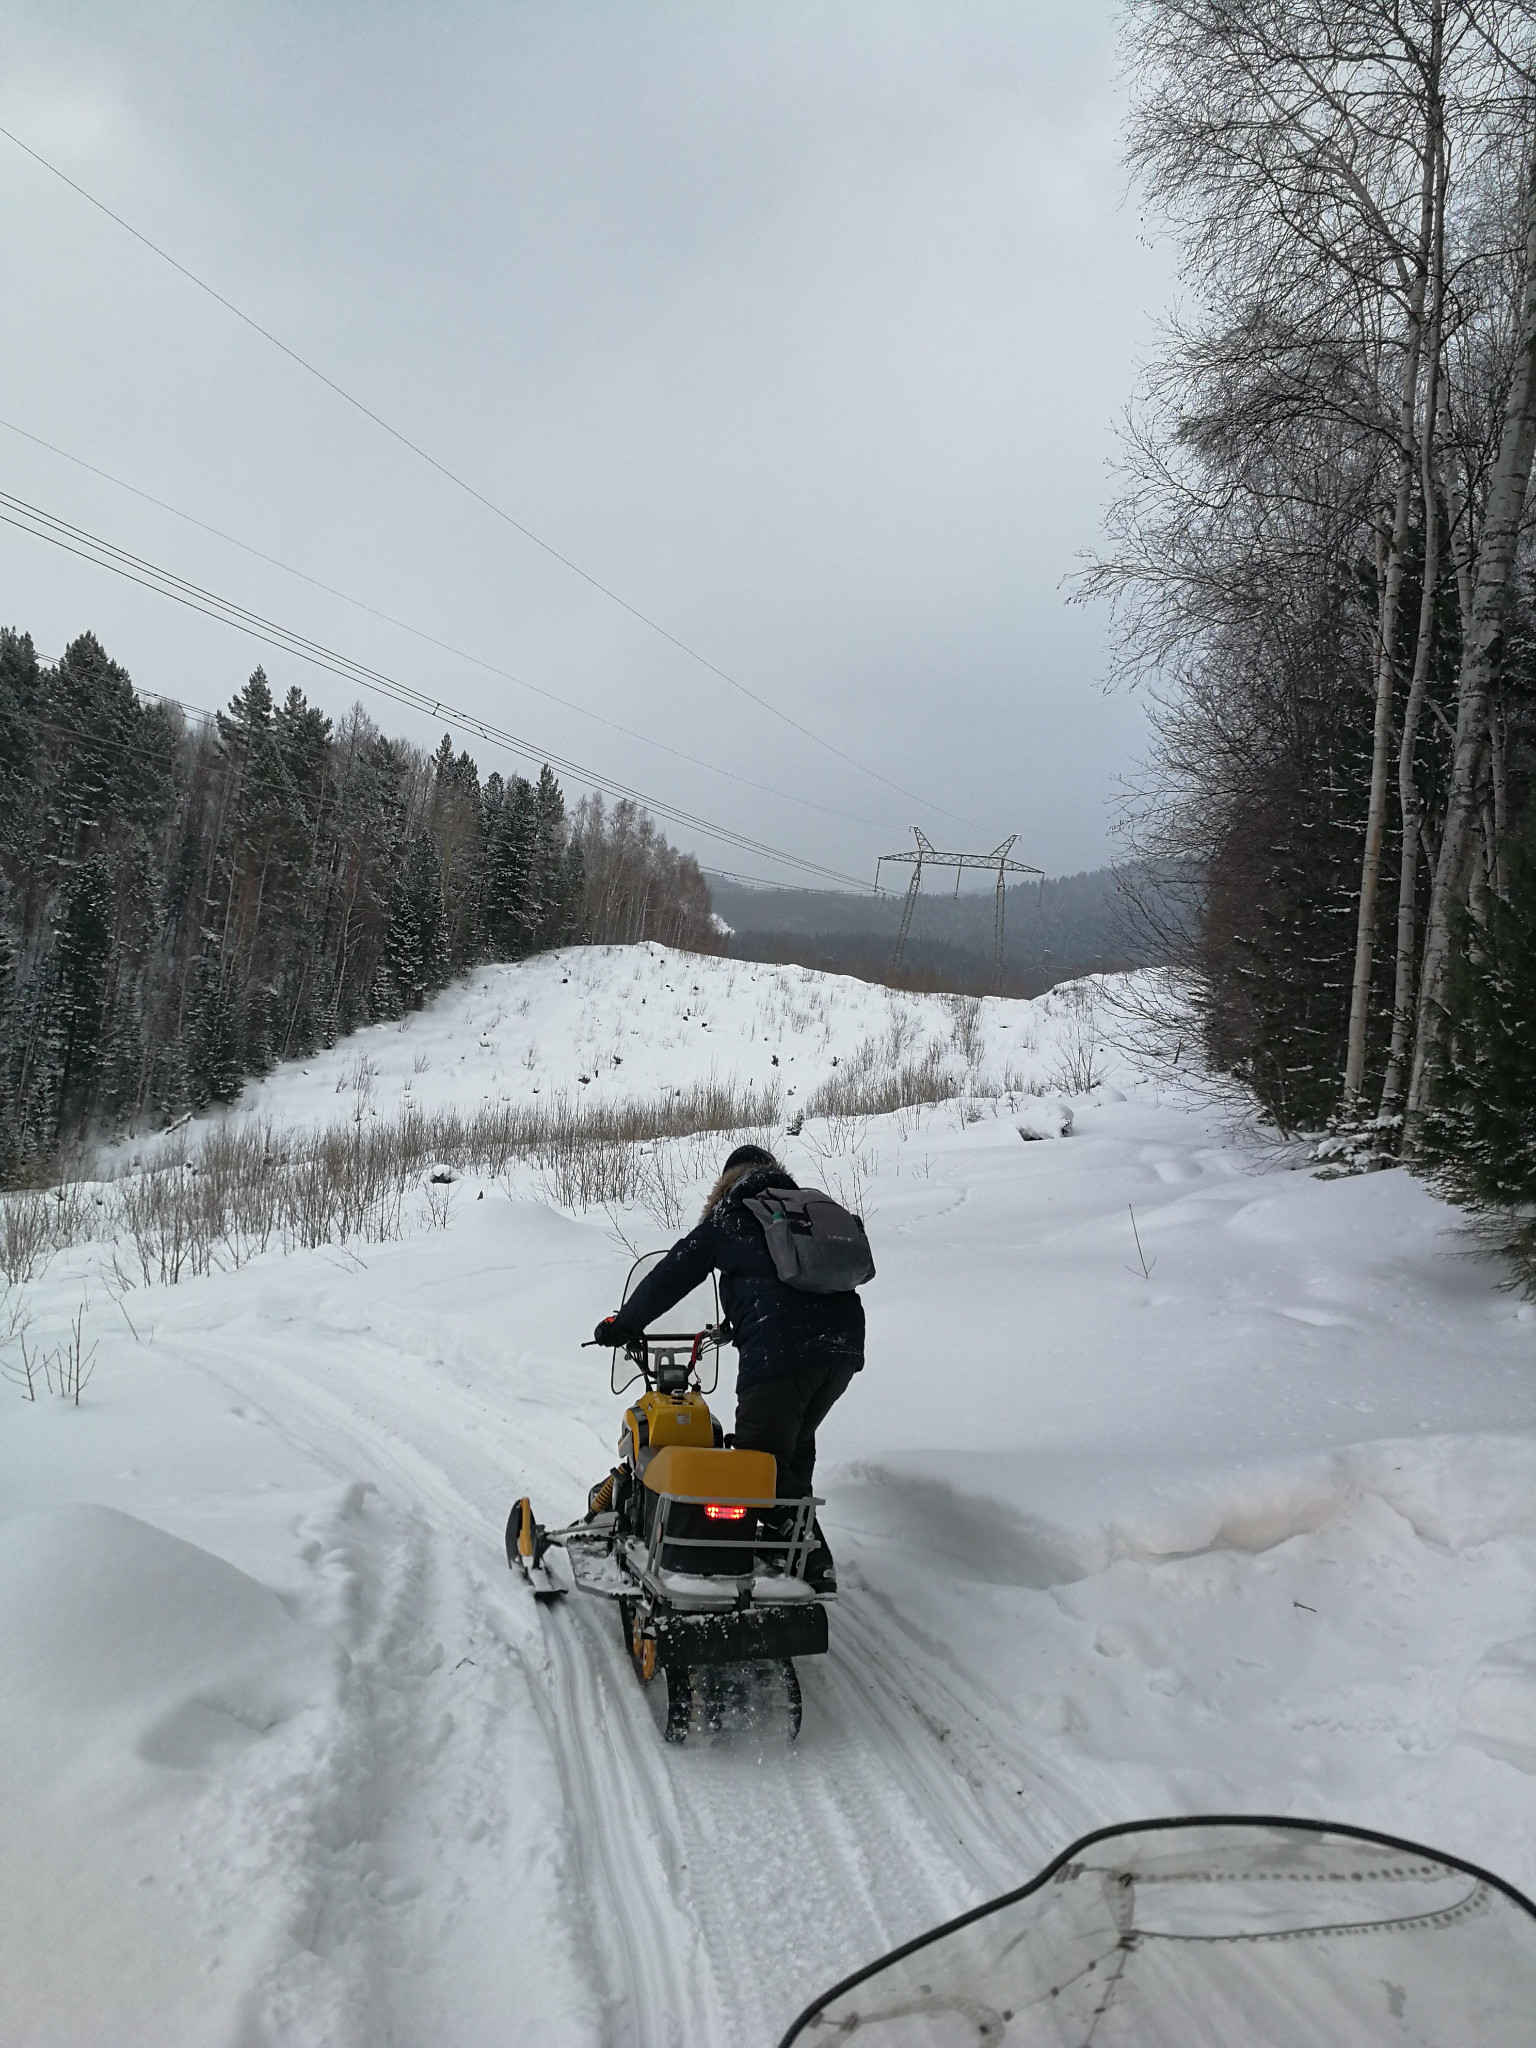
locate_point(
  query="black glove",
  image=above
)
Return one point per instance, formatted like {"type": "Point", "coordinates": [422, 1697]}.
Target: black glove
{"type": "Point", "coordinates": [608, 1332]}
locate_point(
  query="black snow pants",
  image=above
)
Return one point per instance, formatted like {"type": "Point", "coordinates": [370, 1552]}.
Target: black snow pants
{"type": "Point", "coordinates": [782, 1415]}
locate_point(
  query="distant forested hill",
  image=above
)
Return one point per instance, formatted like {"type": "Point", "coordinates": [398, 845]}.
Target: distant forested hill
{"type": "Point", "coordinates": [1077, 924]}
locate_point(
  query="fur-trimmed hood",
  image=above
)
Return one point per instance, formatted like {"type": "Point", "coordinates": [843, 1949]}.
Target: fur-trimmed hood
{"type": "Point", "coordinates": [735, 1177]}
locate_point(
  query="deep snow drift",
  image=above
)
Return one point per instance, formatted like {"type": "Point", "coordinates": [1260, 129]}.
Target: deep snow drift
{"type": "Point", "coordinates": [1242, 1518]}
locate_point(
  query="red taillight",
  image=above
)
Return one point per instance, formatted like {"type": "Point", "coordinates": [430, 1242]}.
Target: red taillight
{"type": "Point", "coordinates": [716, 1511]}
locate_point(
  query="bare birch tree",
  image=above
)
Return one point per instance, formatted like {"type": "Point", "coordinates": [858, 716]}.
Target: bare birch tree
{"type": "Point", "coordinates": [1480, 669]}
{"type": "Point", "coordinates": [1337, 172]}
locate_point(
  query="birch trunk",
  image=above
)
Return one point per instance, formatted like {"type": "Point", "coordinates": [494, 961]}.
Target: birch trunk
{"type": "Point", "coordinates": [1411, 805]}
{"type": "Point", "coordinates": [1481, 659]}
{"type": "Point", "coordinates": [1386, 667]}
{"type": "Point", "coordinates": [1410, 802]}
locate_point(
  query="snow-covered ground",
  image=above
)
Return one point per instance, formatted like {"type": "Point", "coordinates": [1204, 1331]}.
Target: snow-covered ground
{"type": "Point", "coordinates": [1243, 1517]}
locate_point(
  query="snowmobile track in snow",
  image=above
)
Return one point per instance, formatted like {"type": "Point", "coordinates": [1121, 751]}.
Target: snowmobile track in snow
{"type": "Point", "coordinates": [703, 1867]}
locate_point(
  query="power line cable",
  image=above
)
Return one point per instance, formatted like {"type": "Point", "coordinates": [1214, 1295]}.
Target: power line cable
{"type": "Point", "coordinates": [163, 583]}
{"type": "Point", "coordinates": [431, 639]}
{"type": "Point", "coordinates": [104, 554]}
{"type": "Point", "coordinates": [460, 483]}
{"type": "Point", "coordinates": [762, 882]}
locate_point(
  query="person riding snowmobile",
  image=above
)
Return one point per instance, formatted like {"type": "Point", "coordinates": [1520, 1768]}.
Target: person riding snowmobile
{"type": "Point", "coordinates": [797, 1351]}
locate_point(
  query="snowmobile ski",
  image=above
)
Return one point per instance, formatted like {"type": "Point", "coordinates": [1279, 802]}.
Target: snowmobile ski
{"type": "Point", "coordinates": [526, 1546]}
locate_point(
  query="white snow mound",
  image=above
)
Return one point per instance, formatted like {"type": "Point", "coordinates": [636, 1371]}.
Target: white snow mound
{"type": "Point", "coordinates": [1498, 1708]}
{"type": "Point", "coordinates": [136, 1671]}
{"type": "Point", "coordinates": [1043, 1118]}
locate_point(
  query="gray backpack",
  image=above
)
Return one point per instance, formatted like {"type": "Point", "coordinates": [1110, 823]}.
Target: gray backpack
{"type": "Point", "coordinates": [815, 1243]}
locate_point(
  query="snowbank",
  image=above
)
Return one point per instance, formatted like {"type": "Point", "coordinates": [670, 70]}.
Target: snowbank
{"type": "Point", "coordinates": [137, 1671]}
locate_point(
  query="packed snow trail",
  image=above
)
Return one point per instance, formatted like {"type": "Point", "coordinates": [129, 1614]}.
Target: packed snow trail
{"type": "Point", "coordinates": [700, 1870]}
{"type": "Point", "coordinates": [1247, 1521]}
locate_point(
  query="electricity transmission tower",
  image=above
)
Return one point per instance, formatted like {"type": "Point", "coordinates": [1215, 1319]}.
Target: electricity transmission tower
{"type": "Point", "coordinates": [925, 852]}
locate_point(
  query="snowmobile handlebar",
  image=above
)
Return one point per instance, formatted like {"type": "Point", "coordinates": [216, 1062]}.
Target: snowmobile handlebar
{"type": "Point", "coordinates": [668, 1359]}
{"type": "Point", "coordinates": [713, 1334]}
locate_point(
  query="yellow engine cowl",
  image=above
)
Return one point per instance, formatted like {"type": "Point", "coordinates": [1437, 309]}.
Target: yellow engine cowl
{"type": "Point", "coordinates": [660, 1419]}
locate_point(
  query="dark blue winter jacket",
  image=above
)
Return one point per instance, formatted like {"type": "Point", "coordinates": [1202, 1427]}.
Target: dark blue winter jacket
{"type": "Point", "coordinates": [775, 1327]}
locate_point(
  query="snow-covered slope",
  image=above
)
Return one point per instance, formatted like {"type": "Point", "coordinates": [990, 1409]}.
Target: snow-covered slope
{"type": "Point", "coordinates": [615, 1023]}
{"type": "Point", "coordinates": [1227, 1503]}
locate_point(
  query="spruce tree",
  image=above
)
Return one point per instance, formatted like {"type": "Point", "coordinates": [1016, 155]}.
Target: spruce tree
{"type": "Point", "coordinates": [1479, 1142]}
{"type": "Point", "coordinates": [549, 908]}
{"type": "Point", "coordinates": [508, 912]}
{"type": "Point", "coordinates": [82, 952]}
{"type": "Point", "coordinates": [215, 1072]}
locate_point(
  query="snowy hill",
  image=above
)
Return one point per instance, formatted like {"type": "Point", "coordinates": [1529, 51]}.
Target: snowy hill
{"type": "Point", "coordinates": [1230, 1503]}
{"type": "Point", "coordinates": [636, 1021]}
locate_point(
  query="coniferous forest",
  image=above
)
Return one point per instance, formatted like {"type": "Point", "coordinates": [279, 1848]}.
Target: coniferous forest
{"type": "Point", "coordinates": [183, 904]}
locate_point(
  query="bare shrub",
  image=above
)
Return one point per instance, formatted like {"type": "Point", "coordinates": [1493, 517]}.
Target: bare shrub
{"type": "Point", "coordinates": [576, 1171]}
{"type": "Point", "coordinates": [363, 1081]}
{"type": "Point", "coordinates": [965, 1027]}
{"type": "Point", "coordinates": [863, 1087]}
{"type": "Point", "coordinates": [1078, 1069]}
{"type": "Point", "coordinates": [41, 1221]}
{"type": "Point", "coordinates": [844, 1167]}
{"type": "Point", "coordinates": [217, 1205]}
{"type": "Point", "coordinates": [25, 1235]}
{"type": "Point", "coordinates": [965, 1106]}
{"type": "Point", "coordinates": [158, 1222]}
{"type": "Point", "coordinates": [249, 1187]}
{"type": "Point", "coordinates": [20, 1367]}
{"type": "Point", "coordinates": [73, 1364]}
{"type": "Point", "coordinates": [66, 1370]}
{"type": "Point", "coordinates": [901, 1035]}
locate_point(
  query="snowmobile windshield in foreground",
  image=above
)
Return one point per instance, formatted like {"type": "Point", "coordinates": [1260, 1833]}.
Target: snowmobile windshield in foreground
{"type": "Point", "coordinates": [1213, 1933]}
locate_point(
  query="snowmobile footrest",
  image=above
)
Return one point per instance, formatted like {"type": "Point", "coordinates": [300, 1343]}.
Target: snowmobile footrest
{"type": "Point", "coordinates": [684, 1640]}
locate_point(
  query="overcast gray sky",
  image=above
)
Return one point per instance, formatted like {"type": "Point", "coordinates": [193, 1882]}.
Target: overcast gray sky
{"type": "Point", "coordinates": [802, 326]}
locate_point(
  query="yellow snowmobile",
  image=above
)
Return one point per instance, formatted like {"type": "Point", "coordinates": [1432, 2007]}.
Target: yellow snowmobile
{"type": "Point", "coordinates": [687, 1534]}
